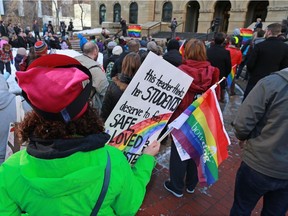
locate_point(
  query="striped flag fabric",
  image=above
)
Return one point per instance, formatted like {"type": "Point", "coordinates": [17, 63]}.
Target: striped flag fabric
{"type": "Point", "coordinates": [134, 31]}
{"type": "Point", "coordinates": [182, 48]}
{"type": "Point", "coordinates": [231, 76]}
{"type": "Point", "coordinates": [246, 34]}
{"type": "Point", "coordinates": [201, 133]}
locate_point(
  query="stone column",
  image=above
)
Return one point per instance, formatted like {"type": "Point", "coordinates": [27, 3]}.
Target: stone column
{"type": "Point", "coordinates": [204, 20]}
{"type": "Point", "coordinates": [237, 19]}
{"type": "Point", "coordinates": [277, 13]}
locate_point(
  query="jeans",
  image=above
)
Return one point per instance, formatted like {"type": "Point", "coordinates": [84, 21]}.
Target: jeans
{"type": "Point", "coordinates": [7, 65]}
{"type": "Point", "coordinates": [251, 185]}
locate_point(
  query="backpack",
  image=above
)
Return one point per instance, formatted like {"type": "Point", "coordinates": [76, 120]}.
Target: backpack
{"type": "Point", "coordinates": [108, 71]}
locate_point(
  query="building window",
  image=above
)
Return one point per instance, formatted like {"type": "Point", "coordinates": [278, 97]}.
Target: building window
{"type": "Point", "coordinates": [133, 18]}
{"type": "Point", "coordinates": [117, 13]}
{"type": "Point", "coordinates": [167, 12]}
{"type": "Point", "coordinates": [102, 13]}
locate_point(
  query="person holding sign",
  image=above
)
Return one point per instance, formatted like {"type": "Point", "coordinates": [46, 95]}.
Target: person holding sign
{"type": "Point", "coordinates": [119, 83]}
{"type": "Point", "coordinates": [205, 75]}
{"type": "Point", "coordinates": [67, 169]}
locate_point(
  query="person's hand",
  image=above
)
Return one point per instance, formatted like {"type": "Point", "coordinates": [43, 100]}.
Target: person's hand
{"type": "Point", "coordinates": [152, 149]}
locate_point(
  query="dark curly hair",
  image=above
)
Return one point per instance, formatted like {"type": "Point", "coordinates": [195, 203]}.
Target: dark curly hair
{"type": "Point", "coordinates": [35, 125]}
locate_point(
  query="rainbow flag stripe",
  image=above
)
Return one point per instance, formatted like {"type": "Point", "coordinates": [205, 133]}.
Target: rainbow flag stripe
{"type": "Point", "coordinates": [134, 31]}
{"type": "Point", "coordinates": [231, 76]}
{"type": "Point", "coordinates": [145, 129]}
{"type": "Point", "coordinates": [246, 33]}
{"type": "Point", "coordinates": [203, 135]}
{"type": "Point", "coordinates": [182, 48]}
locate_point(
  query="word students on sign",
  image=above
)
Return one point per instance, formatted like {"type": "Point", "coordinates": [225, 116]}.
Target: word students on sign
{"type": "Point", "coordinates": [146, 106]}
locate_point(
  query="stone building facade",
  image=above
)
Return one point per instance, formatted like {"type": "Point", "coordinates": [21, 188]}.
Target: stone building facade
{"type": "Point", "coordinates": [193, 16]}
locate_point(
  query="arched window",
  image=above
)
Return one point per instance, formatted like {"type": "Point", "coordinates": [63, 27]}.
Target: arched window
{"type": "Point", "coordinates": [102, 13]}
{"type": "Point", "coordinates": [117, 13]}
{"type": "Point", "coordinates": [133, 18]}
{"type": "Point", "coordinates": [167, 12]}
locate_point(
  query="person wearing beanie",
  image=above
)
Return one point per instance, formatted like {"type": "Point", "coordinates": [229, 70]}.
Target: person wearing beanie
{"type": "Point", "coordinates": [41, 48]}
{"type": "Point", "coordinates": [21, 53]}
{"type": "Point", "coordinates": [116, 52]}
{"type": "Point", "coordinates": [152, 46]}
{"type": "Point", "coordinates": [4, 40]}
{"type": "Point", "coordinates": [67, 163]}
{"type": "Point", "coordinates": [6, 57]}
{"type": "Point", "coordinates": [173, 55]}
{"type": "Point", "coordinates": [107, 53]}
{"type": "Point", "coordinates": [7, 113]}
{"type": "Point", "coordinates": [236, 58]}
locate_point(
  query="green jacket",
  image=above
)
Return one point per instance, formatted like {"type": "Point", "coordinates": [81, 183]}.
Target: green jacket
{"type": "Point", "coordinates": [71, 185]}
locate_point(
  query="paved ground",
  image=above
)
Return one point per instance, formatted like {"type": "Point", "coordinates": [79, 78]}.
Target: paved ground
{"type": "Point", "coordinates": [216, 200]}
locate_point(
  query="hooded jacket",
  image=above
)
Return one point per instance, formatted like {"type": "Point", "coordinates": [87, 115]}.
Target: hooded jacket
{"type": "Point", "coordinates": [262, 120]}
{"type": "Point", "coordinates": [65, 177]}
{"type": "Point", "coordinates": [204, 76]}
{"type": "Point", "coordinates": [82, 41]}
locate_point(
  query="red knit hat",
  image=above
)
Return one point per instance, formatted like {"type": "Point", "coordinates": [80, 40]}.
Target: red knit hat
{"type": "Point", "coordinates": [57, 87]}
{"type": "Point", "coordinates": [40, 48]}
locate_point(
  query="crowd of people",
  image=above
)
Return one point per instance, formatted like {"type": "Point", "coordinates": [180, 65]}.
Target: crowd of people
{"type": "Point", "coordinates": [66, 157]}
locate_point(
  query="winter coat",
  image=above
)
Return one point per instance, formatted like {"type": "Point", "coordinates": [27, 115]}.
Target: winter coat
{"type": "Point", "coordinates": [7, 115]}
{"type": "Point", "coordinates": [66, 176]}
{"type": "Point", "coordinates": [204, 76]}
{"type": "Point", "coordinates": [114, 92]}
{"type": "Point", "coordinates": [82, 41]}
{"type": "Point", "coordinates": [235, 54]}
{"type": "Point", "coordinates": [220, 58]}
{"type": "Point", "coordinates": [262, 120]}
{"type": "Point", "coordinates": [174, 57]}
{"type": "Point", "coordinates": [18, 59]}
{"type": "Point", "coordinates": [268, 56]}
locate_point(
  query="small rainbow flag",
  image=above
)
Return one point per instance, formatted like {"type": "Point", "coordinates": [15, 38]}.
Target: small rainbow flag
{"type": "Point", "coordinates": [246, 33]}
{"type": "Point", "coordinates": [201, 133]}
{"type": "Point", "coordinates": [182, 48]}
{"type": "Point", "coordinates": [134, 31]}
{"type": "Point", "coordinates": [231, 76]}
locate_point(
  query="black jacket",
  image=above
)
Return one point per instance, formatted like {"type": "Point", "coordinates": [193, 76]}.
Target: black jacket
{"type": "Point", "coordinates": [174, 57]}
{"type": "Point", "coordinates": [219, 57]}
{"type": "Point", "coordinates": [268, 56]}
{"type": "Point", "coordinates": [114, 92]}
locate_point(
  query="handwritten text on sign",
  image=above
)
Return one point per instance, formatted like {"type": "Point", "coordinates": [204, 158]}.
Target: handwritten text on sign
{"type": "Point", "coordinates": [146, 105]}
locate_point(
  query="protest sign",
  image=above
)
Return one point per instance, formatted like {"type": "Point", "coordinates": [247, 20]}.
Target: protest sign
{"type": "Point", "coordinates": [146, 105]}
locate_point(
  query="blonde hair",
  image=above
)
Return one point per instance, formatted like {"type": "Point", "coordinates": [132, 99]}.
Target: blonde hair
{"type": "Point", "coordinates": [130, 64]}
{"type": "Point", "coordinates": [195, 50]}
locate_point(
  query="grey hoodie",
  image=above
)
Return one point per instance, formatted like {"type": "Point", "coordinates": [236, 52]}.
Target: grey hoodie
{"type": "Point", "coordinates": [7, 114]}
{"type": "Point", "coordinates": [262, 120]}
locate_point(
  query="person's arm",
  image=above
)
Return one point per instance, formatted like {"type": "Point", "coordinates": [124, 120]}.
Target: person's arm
{"type": "Point", "coordinates": [252, 110]}
{"type": "Point", "coordinates": [133, 190]}
{"type": "Point", "coordinates": [100, 81]}
{"type": "Point", "coordinates": [7, 206]}
{"type": "Point", "coordinates": [253, 56]}
{"type": "Point", "coordinates": [108, 103]}
{"type": "Point", "coordinates": [228, 64]}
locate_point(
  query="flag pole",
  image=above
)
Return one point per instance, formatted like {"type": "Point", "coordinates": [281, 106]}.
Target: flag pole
{"type": "Point", "coordinates": [165, 134]}
{"type": "Point", "coordinates": [223, 78]}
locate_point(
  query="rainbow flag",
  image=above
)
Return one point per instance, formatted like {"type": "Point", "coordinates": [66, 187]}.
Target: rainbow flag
{"type": "Point", "coordinates": [201, 133]}
{"type": "Point", "coordinates": [134, 31]}
{"type": "Point", "coordinates": [231, 76]}
{"type": "Point", "coordinates": [246, 34]}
